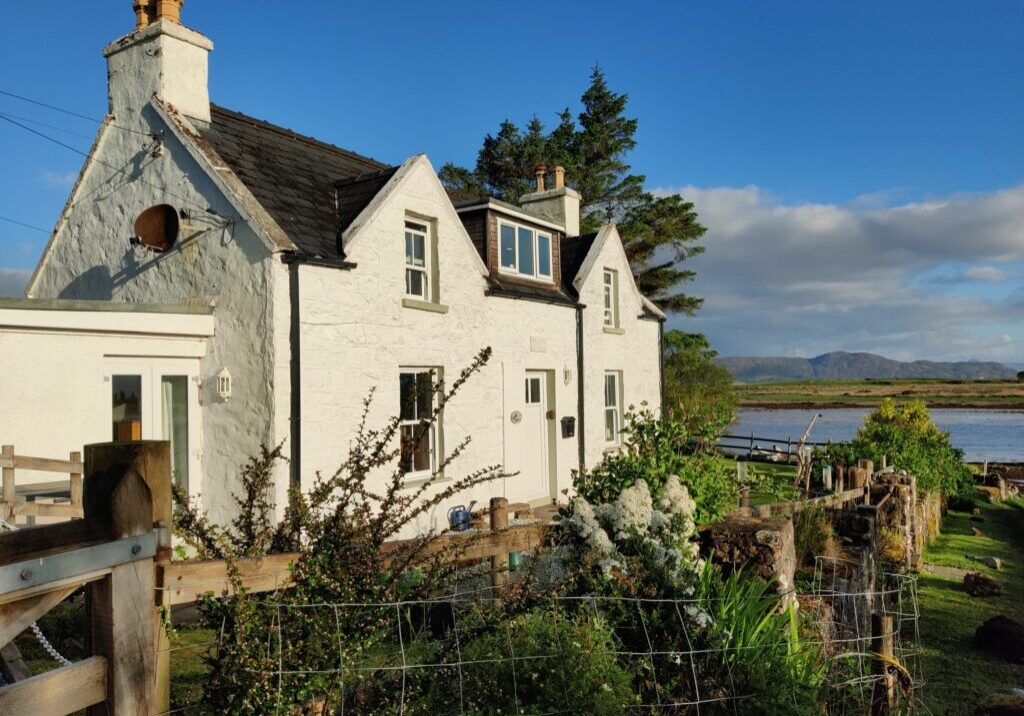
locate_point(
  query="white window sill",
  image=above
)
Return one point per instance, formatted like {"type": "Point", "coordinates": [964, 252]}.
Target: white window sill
{"type": "Point", "coordinates": [612, 449]}
{"type": "Point", "coordinates": [539, 279]}
{"type": "Point", "coordinates": [614, 330]}
{"type": "Point", "coordinates": [421, 305]}
{"type": "Point", "coordinates": [417, 479]}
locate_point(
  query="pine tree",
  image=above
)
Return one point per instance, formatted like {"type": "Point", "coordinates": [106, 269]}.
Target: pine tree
{"type": "Point", "coordinates": [658, 232]}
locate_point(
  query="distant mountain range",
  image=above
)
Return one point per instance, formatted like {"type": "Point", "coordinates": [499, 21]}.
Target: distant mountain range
{"type": "Point", "coordinates": [840, 365]}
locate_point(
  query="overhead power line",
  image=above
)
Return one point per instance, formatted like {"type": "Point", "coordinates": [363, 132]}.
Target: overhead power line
{"type": "Point", "coordinates": [44, 124]}
{"type": "Point", "coordinates": [119, 170]}
{"type": "Point", "coordinates": [73, 114]}
{"type": "Point", "coordinates": [22, 223]}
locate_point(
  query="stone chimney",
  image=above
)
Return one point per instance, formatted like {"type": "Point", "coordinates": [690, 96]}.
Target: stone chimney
{"type": "Point", "coordinates": [161, 57]}
{"type": "Point", "coordinates": [560, 204]}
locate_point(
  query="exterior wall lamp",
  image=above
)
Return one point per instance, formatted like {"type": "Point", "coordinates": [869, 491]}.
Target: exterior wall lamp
{"type": "Point", "coordinates": [224, 384]}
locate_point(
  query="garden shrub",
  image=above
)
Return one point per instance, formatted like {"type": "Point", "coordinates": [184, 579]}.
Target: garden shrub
{"type": "Point", "coordinates": [813, 534]}
{"type": "Point", "coordinates": [654, 449]}
{"type": "Point", "coordinates": [906, 435]}
{"type": "Point", "coordinates": [562, 662]}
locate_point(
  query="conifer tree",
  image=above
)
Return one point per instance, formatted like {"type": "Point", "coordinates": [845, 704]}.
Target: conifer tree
{"type": "Point", "coordinates": [658, 232]}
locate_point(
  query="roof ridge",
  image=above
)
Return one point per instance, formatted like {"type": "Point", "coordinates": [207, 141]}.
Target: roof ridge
{"type": "Point", "coordinates": [291, 134]}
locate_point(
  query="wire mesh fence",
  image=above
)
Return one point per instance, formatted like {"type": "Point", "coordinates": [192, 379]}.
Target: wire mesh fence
{"type": "Point", "coordinates": [450, 655]}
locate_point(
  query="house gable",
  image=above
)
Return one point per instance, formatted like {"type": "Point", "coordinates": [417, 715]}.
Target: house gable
{"type": "Point", "coordinates": [607, 250]}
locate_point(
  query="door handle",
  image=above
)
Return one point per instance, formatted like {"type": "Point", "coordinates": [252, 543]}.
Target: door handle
{"type": "Point", "coordinates": [550, 415]}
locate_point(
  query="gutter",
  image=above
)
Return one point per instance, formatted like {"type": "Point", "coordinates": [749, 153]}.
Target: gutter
{"type": "Point", "coordinates": [579, 388]}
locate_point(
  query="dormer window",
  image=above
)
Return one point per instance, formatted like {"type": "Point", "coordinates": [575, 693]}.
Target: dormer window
{"type": "Point", "coordinates": [416, 269]}
{"type": "Point", "coordinates": [524, 251]}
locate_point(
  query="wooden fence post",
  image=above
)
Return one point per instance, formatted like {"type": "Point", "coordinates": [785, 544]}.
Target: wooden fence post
{"type": "Point", "coordinates": [76, 481]}
{"type": "Point", "coordinates": [499, 562]}
{"type": "Point", "coordinates": [7, 451]}
{"type": "Point", "coordinates": [128, 485]}
{"type": "Point", "coordinates": [882, 690]}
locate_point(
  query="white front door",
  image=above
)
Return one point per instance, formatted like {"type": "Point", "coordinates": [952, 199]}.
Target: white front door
{"type": "Point", "coordinates": [537, 429]}
{"type": "Point", "coordinates": [158, 399]}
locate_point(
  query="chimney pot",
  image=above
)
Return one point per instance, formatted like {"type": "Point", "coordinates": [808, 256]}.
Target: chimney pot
{"type": "Point", "coordinates": [559, 177]}
{"type": "Point", "coordinates": [539, 171]}
{"type": "Point", "coordinates": [169, 10]}
{"type": "Point", "coordinates": [145, 13]}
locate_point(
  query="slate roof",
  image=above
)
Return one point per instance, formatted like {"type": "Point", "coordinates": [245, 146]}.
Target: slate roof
{"type": "Point", "coordinates": [574, 250]}
{"type": "Point", "coordinates": [294, 176]}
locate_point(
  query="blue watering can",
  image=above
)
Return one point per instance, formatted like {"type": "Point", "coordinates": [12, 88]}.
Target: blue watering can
{"type": "Point", "coordinates": [458, 517]}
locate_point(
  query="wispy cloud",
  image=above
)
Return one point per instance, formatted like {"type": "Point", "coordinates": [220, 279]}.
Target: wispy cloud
{"type": "Point", "coordinates": [13, 282]}
{"type": "Point", "coordinates": [58, 180]}
{"type": "Point", "coordinates": [781, 279]}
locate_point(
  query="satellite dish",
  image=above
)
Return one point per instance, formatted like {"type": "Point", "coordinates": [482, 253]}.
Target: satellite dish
{"type": "Point", "coordinates": [157, 227]}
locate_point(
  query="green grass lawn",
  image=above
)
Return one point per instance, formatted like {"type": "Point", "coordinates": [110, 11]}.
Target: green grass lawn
{"type": "Point", "coordinates": [777, 484]}
{"type": "Point", "coordinates": [957, 674]}
{"type": "Point", "coordinates": [188, 644]}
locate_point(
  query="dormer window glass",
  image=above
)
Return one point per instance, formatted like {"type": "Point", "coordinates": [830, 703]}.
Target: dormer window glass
{"type": "Point", "coordinates": [524, 251]}
{"type": "Point", "coordinates": [416, 261]}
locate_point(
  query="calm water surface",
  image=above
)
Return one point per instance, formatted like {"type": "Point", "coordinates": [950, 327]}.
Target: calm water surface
{"type": "Point", "coordinates": [996, 435]}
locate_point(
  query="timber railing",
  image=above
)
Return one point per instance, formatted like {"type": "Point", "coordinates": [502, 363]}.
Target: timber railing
{"type": "Point", "coordinates": [186, 582]}
{"type": "Point", "coordinates": [11, 507]}
{"type": "Point", "coordinates": [859, 493]}
{"type": "Point", "coordinates": [111, 551]}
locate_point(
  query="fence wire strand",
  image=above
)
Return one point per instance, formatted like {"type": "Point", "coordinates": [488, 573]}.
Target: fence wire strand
{"type": "Point", "coordinates": [844, 606]}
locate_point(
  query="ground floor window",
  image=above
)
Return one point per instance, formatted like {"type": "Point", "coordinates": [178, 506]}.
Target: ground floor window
{"type": "Point", "coordinates": [612, 406]}
{"type": "Point", "coordinates": [418, 436]}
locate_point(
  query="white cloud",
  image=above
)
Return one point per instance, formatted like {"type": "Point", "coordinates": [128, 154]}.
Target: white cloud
{"type": "Point", "coordinates": [13, 282]}
{"type": "Point", "coordinates": [780, 279]}
{"type": "Point", "coordinates": [58, 180]}
{"type": "Point", "coordinates": [988, 274]}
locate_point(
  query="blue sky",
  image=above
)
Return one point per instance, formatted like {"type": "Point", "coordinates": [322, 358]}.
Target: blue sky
{"type": "Point", "coordinates": [806, 133]}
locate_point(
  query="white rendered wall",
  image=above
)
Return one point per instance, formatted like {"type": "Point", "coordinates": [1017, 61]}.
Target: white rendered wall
{"type": "Point", "coordinates": [634, 352]}
{"type": "Point", "coordinates": [218, 261]}
{"type": "Point", "coordinates": [356, 335]}
{"type": "Point", "coordinates": [54, 399]}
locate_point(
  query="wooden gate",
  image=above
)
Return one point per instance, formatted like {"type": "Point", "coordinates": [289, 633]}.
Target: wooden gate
{"type": "Point", "coordinates": [127, 507]}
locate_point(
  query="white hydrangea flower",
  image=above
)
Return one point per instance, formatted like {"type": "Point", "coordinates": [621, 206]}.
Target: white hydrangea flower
{"type": "Point", "coordinates": [675, 498]}
{"type": "Point", "coordinates": [631, 512]}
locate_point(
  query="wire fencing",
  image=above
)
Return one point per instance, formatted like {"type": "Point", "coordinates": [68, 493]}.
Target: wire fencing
{"type": "Point", "coordinates": [448, 655]}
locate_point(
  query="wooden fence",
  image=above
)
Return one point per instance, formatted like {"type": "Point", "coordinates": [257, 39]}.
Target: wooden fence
{"type": "Point", "coordinates": [112, 550]}
{"type": "Point", "coordinates": [11, 507]}
{"type": "Point", "coordinates": [121, 550]}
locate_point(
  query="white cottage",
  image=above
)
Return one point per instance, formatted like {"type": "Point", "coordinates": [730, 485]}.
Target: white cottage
{"type": "Point", "coordinates": [322, 274]}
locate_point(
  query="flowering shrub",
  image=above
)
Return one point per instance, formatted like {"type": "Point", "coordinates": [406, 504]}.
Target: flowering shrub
{"type": "Point", "coordinates": [631, 536]}
{"type": "Point", "coordinates": [653, 450]}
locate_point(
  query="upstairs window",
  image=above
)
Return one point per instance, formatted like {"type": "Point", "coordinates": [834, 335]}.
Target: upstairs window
{"type": "Point", "coordinates": [418, 437]}
{"type": "Point", "coordinates": [416, 268]}
{"type": "Point", "coordinates": [612, 407]}
{"type": "Point", "coordinates": [611, 298]}
{"type": "Point", "coordinates": [524, 251]}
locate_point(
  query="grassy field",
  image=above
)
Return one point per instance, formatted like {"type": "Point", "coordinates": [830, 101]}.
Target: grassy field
{"type": "Point", "coordinates": [868, 393]}
{"type": "Point", "coordinates": [957, 674]}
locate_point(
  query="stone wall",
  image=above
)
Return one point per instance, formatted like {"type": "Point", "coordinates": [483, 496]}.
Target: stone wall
{"type": "Point", "coordinates": [763, 547]}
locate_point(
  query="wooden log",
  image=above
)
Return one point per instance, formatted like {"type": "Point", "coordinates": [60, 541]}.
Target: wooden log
{"type": "Point", "coordinates": [36, 508]}
{"type": "Point", "coordinates": [107, 463]}
{"type": "Point", "coordinates": [499, 562]}
{"type": "Point", "coordinates": [46, 464]}
{"type": "Point", "coordinates": [185, 582]}
{"type": "Point", "coordinates": [76, 479]}
{"type": "Point", "coordinates": [883, 688]}
{"type": "Point", "coordinates": [12, 666]}
{"type": "Point", "coordinates": [16, 617]}
{"type": "Point", "coordinates": [7, 453]}
{"type": "Point", "coordinates": [35, 542]}
{"type": "Point", "coordinates": [128, 486]}
{"type": "Point", "coordinates": [58, 692]}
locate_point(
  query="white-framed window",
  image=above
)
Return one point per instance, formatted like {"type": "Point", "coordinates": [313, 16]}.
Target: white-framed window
{"type": "Point", "coordinates": [524, 251]}
{"type": "Point", "coordinates": [611, 298]}
{"type": "Point", "coordinates": [533, 388]}
{"type": "Point", "coordinates": [418, 436]}
{"type": "Point", "coordinates": [612, 407]}
{"type": "Point", "coordinates": [417, 260]}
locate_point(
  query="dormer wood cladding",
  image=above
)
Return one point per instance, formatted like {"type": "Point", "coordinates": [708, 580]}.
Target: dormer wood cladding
{"type": "Point", "coordinates": [482, 226]}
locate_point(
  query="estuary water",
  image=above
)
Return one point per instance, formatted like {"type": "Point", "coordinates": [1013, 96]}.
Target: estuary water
{"type": "Point", "coordinates": [994, 435]}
